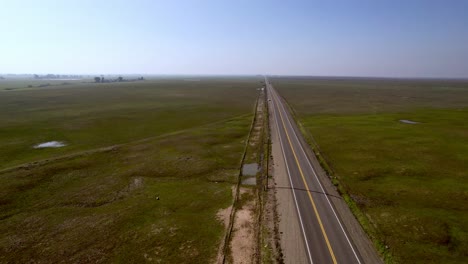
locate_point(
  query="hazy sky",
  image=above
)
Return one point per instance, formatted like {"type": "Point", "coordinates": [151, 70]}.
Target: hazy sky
{"type": "Point", "coordinates": [404, 38]}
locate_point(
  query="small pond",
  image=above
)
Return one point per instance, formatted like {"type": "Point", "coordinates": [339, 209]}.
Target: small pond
{"type": "Point", "coordinates": [249, 180]}
{"type": "Point", "coordinates": [408, 122]}
{"type": "Point", "coordinates": [50, 144]}
{"type": "Point", "coordinates": [250, 169]}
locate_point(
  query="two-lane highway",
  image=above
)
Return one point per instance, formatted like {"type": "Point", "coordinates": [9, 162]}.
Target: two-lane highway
{"type": "Point", "coordinates": [325, 238]}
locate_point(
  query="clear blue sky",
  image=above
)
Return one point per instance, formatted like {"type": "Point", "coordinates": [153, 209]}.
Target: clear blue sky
{"type": "Point", "coordinates": [399, 38]}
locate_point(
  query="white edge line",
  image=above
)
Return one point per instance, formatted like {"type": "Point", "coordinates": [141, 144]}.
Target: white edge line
{"type": "Point", "coordinates": [293, 190]}
{"type": "Point", "coordinates": [321, 187]}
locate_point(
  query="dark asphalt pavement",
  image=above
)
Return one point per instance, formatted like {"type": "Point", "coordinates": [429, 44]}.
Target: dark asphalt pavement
{"type": "Point", "coordinates": [324, 235]}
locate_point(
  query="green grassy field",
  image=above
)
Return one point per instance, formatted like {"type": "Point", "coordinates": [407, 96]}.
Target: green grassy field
{"type": "Point", "coordinates": [23, 83]}
{"type": "Point", "coordinates": [410, 180]}
{"type": "Point", "coordinates": [178, 140]}
{"type": "Point", "coordinates": [97, 115]}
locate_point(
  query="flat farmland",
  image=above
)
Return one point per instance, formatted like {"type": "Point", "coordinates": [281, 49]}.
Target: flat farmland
{"type": "Point", "coordinates": [89, 116]}
{"type": "Point", "coordinates": [406, 182]}
{"type": "Point", "coordinates": [144, 163]}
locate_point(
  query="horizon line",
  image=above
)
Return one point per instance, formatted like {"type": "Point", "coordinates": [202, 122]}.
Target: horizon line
{"type": "Point", "coordinates": [250, 74]}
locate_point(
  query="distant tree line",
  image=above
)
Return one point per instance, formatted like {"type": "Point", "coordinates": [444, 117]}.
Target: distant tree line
{"type": "Point", "coordinates": [57, 76]}
{"type": "Point", "coordinates": [2, 78]}
{"type": "Point", "coordinates": [118, 79]}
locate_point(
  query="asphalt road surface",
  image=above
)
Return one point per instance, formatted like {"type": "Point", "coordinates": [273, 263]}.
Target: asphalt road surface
{"type": "Point", "coordinates": [324, 235]}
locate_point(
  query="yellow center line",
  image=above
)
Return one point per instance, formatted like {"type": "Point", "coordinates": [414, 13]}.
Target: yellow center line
{"type": "Point", "coordinates": [308, 192]}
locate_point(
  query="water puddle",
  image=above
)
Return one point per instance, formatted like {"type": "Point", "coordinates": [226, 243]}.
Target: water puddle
{"type": "Point", "coordinates": [250, 169]}
{"type": "Point", "coordinates": [408, 121]}
{"type": "Point", "coordinates": [249, 180]}
{"type": "Point", "coordinates": [50, 144]}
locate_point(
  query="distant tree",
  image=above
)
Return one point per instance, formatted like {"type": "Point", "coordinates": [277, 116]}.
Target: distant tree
{"type": "Point", "coordinates": [97, 79]}
{"type": "Point", "coordinates": [2, 78]}
{"type": "Point", "coordinates": [36, 76]}
{"type": "Point", "coordinates": [120, 78]}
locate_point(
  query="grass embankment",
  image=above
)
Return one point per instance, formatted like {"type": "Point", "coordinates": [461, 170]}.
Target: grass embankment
{"type": "Point", "coordinates": [410, 181]}
{"type": "Point", "coordinates": [104, 206]}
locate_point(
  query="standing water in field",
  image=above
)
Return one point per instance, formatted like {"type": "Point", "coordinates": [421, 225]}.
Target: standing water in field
{"type": "Point", "coordinates": [50, 144]}
{"type": "Point", "coordinates": [249, 173]}
{"type": "Point", "coordinates": [250, 169]}
{"type": "Point", "coordinates": [408, 122]}
{"type": "Point", "coordinates": [249, 181]}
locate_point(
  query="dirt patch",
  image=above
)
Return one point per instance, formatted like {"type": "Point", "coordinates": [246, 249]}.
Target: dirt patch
{"type": "Point", "coordinates": [224, 216]}
{"type": "Point", "coordinates": [243, 191]}
{"type": "Point", "coordinates": [135, 183]}
{"type": "Point", "coordinates": [243, 237]}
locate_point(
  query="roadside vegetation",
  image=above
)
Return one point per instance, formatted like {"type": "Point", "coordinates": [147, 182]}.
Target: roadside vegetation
{"type": "Point", "coordinates": [158, 159]}
{"type": "Point", "coordinates": [244, 237]}
{"type": "Point", "coordinates": [407, 182]}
